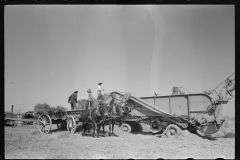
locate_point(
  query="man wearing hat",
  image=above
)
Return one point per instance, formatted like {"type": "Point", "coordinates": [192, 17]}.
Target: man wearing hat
{"type": "Point", "coordinates": [100, 95]}
{"type": "Point", "coordinates": [73, 100]}
{"type": "Point", "coordinates": [100, 88]}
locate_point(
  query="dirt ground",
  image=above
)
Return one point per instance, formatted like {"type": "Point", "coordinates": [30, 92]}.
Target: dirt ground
{"type": "Point", "coordinates": [26, 142]}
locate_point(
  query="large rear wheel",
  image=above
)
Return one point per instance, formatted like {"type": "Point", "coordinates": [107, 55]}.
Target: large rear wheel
{"type": "Point", "coordinates": [126, 127]}
{"type": "Point", "coordinates": [44, 123]}
{"type": "Point", "coordinates": [136, 127]}
{"type": "Point", "coordinates": [173, 130]}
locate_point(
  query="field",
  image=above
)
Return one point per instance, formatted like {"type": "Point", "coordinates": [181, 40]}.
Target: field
{"type": "Point", "coordinates": [26, 142]}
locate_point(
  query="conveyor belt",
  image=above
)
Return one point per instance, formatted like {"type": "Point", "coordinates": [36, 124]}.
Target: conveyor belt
{"type": "Point", "coordinates": [147, 105]}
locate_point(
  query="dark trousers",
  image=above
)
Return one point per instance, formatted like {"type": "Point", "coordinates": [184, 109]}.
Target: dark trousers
{"type": "Point", "coordinates": [73, 106]}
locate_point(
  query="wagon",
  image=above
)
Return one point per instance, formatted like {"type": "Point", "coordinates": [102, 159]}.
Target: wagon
{"type": "Point", "coordinates": [14, 120]}
{"type": "Point", "coordinates": [69, 118]}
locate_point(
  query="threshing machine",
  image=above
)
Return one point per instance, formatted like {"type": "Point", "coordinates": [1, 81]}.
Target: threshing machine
{"type": "Point", "coordinates": [198, 113]}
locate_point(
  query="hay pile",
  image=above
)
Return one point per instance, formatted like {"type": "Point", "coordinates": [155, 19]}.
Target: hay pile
{"type": "Point", "coordinates": [47, 109]}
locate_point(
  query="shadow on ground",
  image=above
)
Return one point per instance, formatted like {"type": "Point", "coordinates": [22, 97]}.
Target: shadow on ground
{"type": "Point", "coordinates": [88, 133]}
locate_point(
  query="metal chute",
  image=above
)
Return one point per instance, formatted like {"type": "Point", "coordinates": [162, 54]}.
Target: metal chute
{"type": "Point", "coordinates": [219, 105]}
{"type": "Point", "coordinates": [146, 105]}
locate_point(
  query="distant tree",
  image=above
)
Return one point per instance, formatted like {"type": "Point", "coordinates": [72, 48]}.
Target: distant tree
{"type": "Point", "coordinates": [42, 108]}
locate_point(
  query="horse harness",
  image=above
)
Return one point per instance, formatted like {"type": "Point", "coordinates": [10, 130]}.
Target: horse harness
{"type": "Point", "coordinates": [92, 120]}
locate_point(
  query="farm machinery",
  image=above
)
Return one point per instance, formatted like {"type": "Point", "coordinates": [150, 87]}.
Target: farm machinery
{"type": "Point", "coordinates": [200, 113]}
{"type": "Point", "coordinates": [14, 119]}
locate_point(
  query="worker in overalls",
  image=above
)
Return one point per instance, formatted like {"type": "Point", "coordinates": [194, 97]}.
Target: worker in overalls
{"type": "Point", "coordinates": [112, 105]}
{"type": "Point", "coordinates": [73, 100]}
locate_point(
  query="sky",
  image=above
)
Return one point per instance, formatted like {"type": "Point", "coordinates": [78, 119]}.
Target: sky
{"type": "Point", "coordinates": [51, 50]}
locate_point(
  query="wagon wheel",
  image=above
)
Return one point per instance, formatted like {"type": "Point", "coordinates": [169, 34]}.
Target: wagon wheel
{"type": "Point", "coordinates": [71, 125]}
{"type": "Point", "coordinates": [173, 130]}
{"type": "Point", "coordinates": [126, 127]}
{"type": "Point", "coordinates": [44, 123]}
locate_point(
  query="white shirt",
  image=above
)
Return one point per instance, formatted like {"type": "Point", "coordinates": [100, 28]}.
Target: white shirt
{"type": "Point", "coordinates": [99, 88]}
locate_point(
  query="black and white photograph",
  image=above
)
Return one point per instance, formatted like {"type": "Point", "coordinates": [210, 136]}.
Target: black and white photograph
{"type": "Point", "coordinates": [117, 81]}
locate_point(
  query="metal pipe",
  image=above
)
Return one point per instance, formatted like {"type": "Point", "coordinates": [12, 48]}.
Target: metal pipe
{"type": "Point", "coordinates": [170, 107]}
{"type": "Point", "coordinates": [222, 83]}
{"type": "Point", "coordinates": [188, 105]}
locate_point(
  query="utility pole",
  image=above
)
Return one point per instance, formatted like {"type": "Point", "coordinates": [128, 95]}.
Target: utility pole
{"type": "Point", "coordinates": [12, 105]}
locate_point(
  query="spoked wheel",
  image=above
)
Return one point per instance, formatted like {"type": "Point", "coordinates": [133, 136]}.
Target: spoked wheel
{"type": "Point", "coordinates": [71, 125]}
{"type": "Point", "coordinates": [173, 130]}
{"type": "Point", "coordinates": [44, 123]}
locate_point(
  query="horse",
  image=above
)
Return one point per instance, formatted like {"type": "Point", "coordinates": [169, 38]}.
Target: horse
{"type": "Point", "coordinates": [114, 112]}
{"type": "Point", "coordinates": [103, 112]}
{"type": "Point", "coordinates": [117, 110]}
{"type": "Point", "coordinates": [96, 116]}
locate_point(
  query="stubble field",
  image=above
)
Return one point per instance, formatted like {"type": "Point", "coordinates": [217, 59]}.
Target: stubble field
{"type": "Point", "coordinates": [26, 142]}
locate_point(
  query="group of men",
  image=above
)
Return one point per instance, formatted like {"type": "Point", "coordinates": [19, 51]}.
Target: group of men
{"type": "Point", "coordinates": [73, 97]}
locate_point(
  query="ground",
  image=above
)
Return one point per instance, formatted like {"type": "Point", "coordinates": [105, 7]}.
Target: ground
{"type": "Point", "coordinates": [26, 142]}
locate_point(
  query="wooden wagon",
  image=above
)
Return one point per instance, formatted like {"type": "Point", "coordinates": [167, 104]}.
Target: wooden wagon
{"type": "Point", "coordinates": [69, 118]}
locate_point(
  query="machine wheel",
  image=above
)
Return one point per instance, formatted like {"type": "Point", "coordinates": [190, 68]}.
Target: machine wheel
{"type": "Point", "coordinates": [44, 123]}
{"type": "Point", "coordinates": [126, 127]}
{"type": "Point", "coordinates": [136, 127]}
{"type": "Point", "coordinates": [173, 130]}
{"type": "Point", "coordinates": [71, 125]}
{"type": "Point", "coordinates": [203, 121]}
{"type": "Point", "coordinates": [139, 128]}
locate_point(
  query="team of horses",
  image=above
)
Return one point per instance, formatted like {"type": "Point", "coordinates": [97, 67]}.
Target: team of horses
{"type": "Point", "coordinates": [98, 113]}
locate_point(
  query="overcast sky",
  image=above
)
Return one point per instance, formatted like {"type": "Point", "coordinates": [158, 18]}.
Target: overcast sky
{"type": "Point", "coordinates": [50, 50]}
